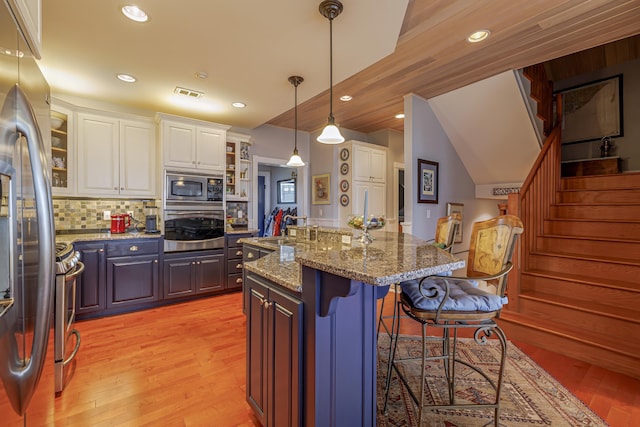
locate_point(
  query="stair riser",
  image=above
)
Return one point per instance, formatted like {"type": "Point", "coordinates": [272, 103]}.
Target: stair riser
{"type": "Point", "coordinates": [593, 324]}
{"type": "Point", "coordinates": [594, 355]}
{"type": "Point", "coordinates": [587, 247]}
{"type": "Point", "coordinates": [617, 298]}
{"type": "Point", "coordinates": [602, 196]}
{"type": "Point", "coordinates": [603, 182]}
{"type": "Point", "coordinates": [614, 230]}
{"type": "Point", "coordinates": [611, 212]}
{"type": "Point", "coordinates": [592, 268]}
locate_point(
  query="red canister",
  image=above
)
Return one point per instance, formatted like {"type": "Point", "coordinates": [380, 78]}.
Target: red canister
{"type": "Point", "coordinates": [120, 222]}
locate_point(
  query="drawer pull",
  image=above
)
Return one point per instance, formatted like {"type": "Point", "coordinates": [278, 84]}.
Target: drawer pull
{"type": "Point", "coordinates": [250, 255]}
{"type": "Point", "coordinates": [133, 248]}
{"type": "Point", "coordinates": [239, 280]}
{"type": "Point", "coordinates": [239, 265]}
{"type": "Point", "coordinates": [239, 253]}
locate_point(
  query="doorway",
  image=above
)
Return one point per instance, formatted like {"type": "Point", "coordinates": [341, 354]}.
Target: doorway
{"type": "Point", "coordinates": [271, 169]}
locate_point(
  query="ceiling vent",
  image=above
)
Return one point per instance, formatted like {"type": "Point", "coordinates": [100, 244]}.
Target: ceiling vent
{"type": "Point", "coordinates": [188, 92]}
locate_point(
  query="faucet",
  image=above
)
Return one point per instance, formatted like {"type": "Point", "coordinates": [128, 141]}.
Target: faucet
{"type": "Point", "coordinates": [295, 218]}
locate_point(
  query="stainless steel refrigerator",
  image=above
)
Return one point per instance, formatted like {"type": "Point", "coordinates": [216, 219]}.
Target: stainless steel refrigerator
{"type": "Point", "coordinates": [27, 236]}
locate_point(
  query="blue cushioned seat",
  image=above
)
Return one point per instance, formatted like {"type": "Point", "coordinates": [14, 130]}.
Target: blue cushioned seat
{"type": "Point", "coordinates": [463, 296]}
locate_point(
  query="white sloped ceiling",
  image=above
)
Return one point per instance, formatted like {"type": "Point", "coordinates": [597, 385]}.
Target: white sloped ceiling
{"type": "Point", "coordinates": [490, 128]}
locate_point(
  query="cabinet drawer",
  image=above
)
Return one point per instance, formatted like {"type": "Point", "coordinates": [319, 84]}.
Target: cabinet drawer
{"type": "Point", "coordinates": [234, 281]}
{"type": "Point", "coordinates": [234, 253]}
{"type": "Point", "coordinates": [151, 247]}
{"type": "Point", "coordinates": [234, 266]}
{"type": "Point", "coordinates": [250, 253]}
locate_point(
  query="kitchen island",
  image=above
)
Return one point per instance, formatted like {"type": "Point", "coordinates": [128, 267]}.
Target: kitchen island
{"type": "Point", "coordinates": [312, 323]}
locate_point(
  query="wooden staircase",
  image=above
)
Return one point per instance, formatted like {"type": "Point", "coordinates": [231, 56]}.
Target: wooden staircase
{"type": "Point", "coordinates": [578, 291]}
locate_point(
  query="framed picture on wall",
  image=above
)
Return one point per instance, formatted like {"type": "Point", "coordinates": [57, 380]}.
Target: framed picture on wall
{"type": "Point", "coordinates": [457, 208]}
{"type": "Point", "coordinates": [321, 189]}
{"type": "Point", "coordinates": [427, 181]}
{"type": "Point", "coordinates": [592, 111]}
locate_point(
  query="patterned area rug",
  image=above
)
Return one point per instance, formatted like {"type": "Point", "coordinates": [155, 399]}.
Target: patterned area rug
{"type": "Point", "coordinates": [530, 396]}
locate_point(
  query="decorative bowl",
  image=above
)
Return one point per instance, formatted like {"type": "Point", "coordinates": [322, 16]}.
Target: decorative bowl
{"type": "Point", "coordinates": [56, 142]}
{"type": "Point", "coordinates": [374, 222]}
{"type": "Point", "coordinates": [56, 122]}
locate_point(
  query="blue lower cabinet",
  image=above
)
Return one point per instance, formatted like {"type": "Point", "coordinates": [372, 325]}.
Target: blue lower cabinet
{"type": "Point", "coordinates": [274, 352]}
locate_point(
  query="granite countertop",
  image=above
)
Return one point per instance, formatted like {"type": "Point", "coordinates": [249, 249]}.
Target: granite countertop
{"type": "Point", "coordinates": [70, 237]}
{"type": "Point", "coordinates": [391, 258]}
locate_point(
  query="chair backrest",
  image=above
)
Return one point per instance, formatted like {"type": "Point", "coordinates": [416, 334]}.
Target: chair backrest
{"type": "Point", "coordinates": [446, 230]}
{"type": "Point", "coordinates": [491, 248]}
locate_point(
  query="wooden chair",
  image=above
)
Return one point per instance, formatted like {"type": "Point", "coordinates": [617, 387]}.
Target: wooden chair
{"type": "Point", "coordinates": [446, 229]}
{"type": "Point", "coordinates": [453, 303]}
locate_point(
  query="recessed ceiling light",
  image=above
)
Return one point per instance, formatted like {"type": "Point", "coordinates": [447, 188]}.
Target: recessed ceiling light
{"type": "Point", "coordinates": [134, 13]}
{"type": "Point", "coordinates": [400, 116]}
{"type": "Point", "coordinates": [239, 104]}
{"type": "Point", "coordinates": [127, 78]}
{"type": "Point", "coordinates": [346, 98]}
{"type": "Point", "coordinates": [478, 36]}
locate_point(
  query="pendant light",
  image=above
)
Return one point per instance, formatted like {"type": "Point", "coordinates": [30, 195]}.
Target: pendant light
{"type": "Point", "coordinates": [295, 159]}
{"type": "Point", "coordinates": [330, 135]}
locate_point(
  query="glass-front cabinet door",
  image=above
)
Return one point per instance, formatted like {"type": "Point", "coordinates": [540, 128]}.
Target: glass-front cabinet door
{"type": "Point", "coordinates": [62, 154]}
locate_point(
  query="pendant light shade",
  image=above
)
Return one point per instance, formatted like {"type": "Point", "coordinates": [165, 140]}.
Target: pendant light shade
{"type": "Point", "coordinates": [330, 135]}
{"type": "Point", "coordinates": [295, 159]}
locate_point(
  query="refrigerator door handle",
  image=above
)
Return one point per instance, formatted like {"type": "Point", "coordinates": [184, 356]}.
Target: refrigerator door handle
{"type": "Point", "coordinates": [25, 377]}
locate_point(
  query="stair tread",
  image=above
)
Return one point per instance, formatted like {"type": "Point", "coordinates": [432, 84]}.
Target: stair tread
{"type": "Point", "coordinates": [593, 307]}
{"type": "Point", "coordinates": [597, 258]}
{"type": "Point", "coordinates": [611, 283]}
{"type": "Point", "coordinates": [631, 347]}
{"type": "Point", "coordinates": [615, 221]}
{"type": "Point", "coordinates": [596, 238]}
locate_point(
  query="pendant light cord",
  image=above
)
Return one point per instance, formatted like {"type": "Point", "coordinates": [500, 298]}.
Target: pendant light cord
{"type": "Point", "coordinates": [331, 119]}
{"type": "Point", "coordinates": [295, 119]}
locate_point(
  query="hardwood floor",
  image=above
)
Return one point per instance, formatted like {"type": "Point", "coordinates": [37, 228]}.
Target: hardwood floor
{"type": "Point", "coordinates": [184, 365]}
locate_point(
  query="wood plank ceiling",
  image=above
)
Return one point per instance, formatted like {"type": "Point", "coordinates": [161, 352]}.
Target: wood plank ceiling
{"type": "Point", "coordinates": [432, 56]}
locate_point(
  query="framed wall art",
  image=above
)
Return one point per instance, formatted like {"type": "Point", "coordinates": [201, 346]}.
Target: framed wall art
{"type": "Point", "coordinates": [592, 111]}
{"type": "Point", "coordinates": [427, 181]}
{"type": "Point", "coordinates": [321, 189]}
{"type": "Point", "coordinates": [457, 208]}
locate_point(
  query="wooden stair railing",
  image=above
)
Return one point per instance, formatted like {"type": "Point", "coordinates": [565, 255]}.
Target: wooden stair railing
{"type": "Point", "coordinates": [542, 93]}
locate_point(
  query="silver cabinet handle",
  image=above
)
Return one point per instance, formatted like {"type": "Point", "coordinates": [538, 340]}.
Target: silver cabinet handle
{"type": "Point", "coordinates": [250, 255]}
{"type": "Point", "coordinates": [133, 248]}
{"type": "Point", "coordinates": [266, 304]}
{"type": "Point", "coordinates": [100, 250]}
{"type": "Point", "coordinates": [239, 280]}
{"type": "Point", "coordinates": [239, 253]}
{"type": "Point", "coordinates": [155, 261]}
{"type": "Point", "coordinates": [239, 265]}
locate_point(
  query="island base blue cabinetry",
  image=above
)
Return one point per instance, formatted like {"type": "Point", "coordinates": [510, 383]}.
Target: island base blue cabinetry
{"type": "Point", "coordinates": [274, 353]}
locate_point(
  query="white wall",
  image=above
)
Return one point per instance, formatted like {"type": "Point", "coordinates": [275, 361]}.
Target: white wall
{"type": "Point", "coordinates": [425, 139]}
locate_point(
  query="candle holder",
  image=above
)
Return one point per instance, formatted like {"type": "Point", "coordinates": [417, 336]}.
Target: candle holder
{"type": "Point", "coordinates": [373, 223]}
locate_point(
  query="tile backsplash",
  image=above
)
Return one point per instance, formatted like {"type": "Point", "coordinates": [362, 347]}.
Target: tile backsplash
{"type": "Point", "coordinates": [81, 214]}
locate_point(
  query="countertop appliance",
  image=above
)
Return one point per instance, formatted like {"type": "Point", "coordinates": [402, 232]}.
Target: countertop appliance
{"type": "Point", "coordinates": [192, 191]}
{"type": "Point", "coordinates": [68, 268]}
{"type": "Point", "coordinates": [27, 234]}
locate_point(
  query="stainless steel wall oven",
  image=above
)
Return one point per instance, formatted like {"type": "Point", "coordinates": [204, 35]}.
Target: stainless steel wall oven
{"type": "Point", "coordinates": [187, 230]}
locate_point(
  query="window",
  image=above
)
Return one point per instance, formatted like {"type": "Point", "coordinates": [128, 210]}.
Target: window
{"type": "Point", "coordinates": [287, 191]}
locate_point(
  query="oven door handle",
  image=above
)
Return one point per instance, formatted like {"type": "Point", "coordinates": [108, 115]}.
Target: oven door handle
{"type": "Point", "coordinates": [192, 213]}
{"type": "Point", "coordinates": [75, 349]}
{"type": "Point", "coordinates": [79, 269]}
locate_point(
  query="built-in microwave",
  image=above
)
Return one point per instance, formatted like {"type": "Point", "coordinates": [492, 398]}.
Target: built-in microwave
{"type": "Point", "coordinates": [193, 191]}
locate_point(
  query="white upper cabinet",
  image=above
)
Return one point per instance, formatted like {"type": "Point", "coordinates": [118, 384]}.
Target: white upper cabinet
{"type": "Point", "coordinates": [192, 144]}
{"type": "Point", "coordinates": [29, 16]}
{"type": "Point", "coordinates": [369, 163]}
{"type": "Point", "coordinates": [116, 157]}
